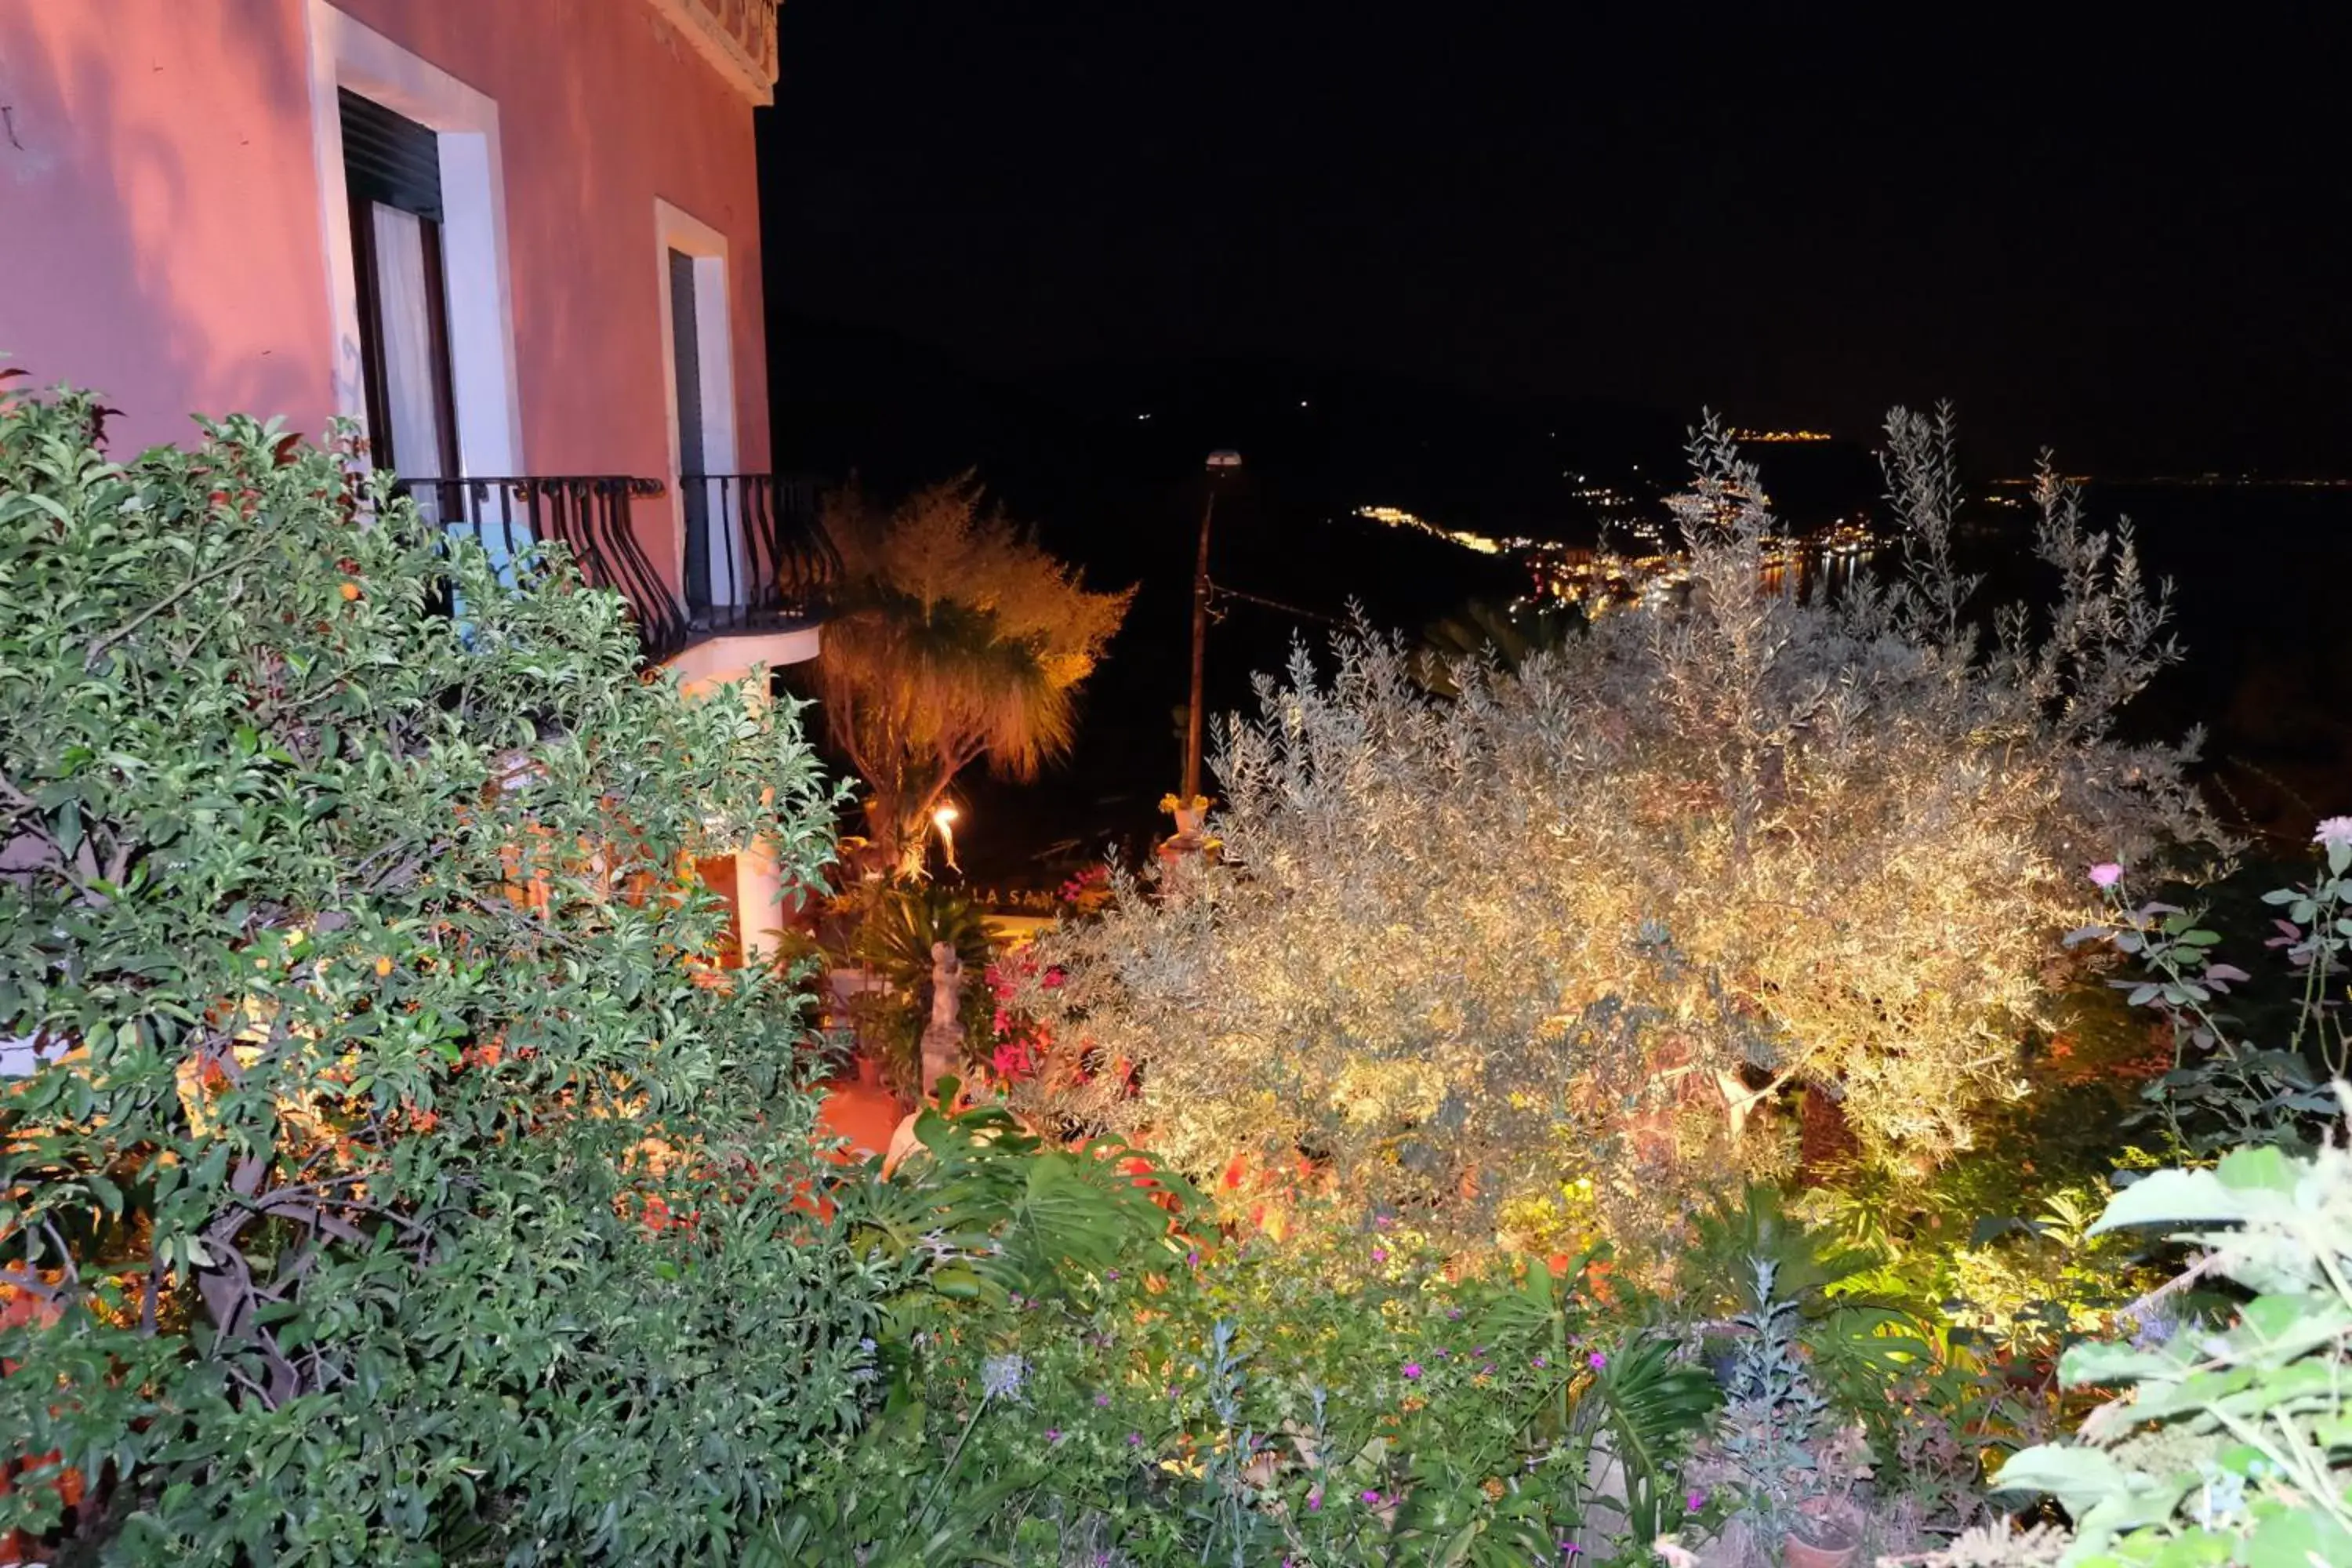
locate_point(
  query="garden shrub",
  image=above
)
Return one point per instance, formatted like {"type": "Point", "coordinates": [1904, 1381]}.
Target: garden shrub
{"type": "Point", "coordinates": [2229, 1442]}
{"type": "Point", "coordinates": [1149, 1394]}
{"type": "Point", "coordinates": [2224, 1089]}
{"type": "Point", "coordinates": [2221, 1432]}
{"type": "Point", "coordinates": [387, 1185]}
{"type": "Point", "coordinates": [1544, 953]}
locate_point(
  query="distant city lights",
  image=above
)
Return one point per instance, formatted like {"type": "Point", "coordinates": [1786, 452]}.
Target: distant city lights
{"type": "Point", "coordinates": [1397, 517]}
{"type": "Point", "coordinates": [1773, 437]}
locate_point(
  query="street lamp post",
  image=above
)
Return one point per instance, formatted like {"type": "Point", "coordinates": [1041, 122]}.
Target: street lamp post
{"type": "Point", "coordinates": [1221, 464]}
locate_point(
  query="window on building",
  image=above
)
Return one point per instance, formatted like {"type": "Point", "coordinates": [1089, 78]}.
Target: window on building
{"type": "Point", "coordinates": [392, 168]}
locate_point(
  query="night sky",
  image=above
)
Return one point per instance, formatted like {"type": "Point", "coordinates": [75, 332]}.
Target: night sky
{"type": "Point", "coordinates": [2128, 242]}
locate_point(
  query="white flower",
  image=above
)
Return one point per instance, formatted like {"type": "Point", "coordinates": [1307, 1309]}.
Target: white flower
{"type": "Point", "coordinates": [1001, 1375]}
{"type": "Point", "coordinates": [2335, 833]}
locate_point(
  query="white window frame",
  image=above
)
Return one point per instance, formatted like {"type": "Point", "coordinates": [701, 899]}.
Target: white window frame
{"type": "Point", "coordinates": [676, 229]}
{"type": "Point", "coordinates": [345, 53]}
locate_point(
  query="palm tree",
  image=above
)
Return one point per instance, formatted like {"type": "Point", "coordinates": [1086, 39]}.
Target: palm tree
{"type": "Point", "coordinates": [953, 637]}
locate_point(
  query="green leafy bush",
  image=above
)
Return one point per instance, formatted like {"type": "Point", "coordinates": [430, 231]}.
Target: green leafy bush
{"type": "Point", "coordinates": [2231, 1439]}
{"type": "Point", "coordinates": [388, 1188]}
{"type": "Point", "coordinates": [2230, 1443]}
{"type": "Point", "coordinates": [1100, 1388]}
{"type": "Point", "coordinates": [2224, 1088]}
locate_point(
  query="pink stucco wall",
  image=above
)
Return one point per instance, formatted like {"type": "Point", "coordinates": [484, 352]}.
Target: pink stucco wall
{"type": "Point", "coordinates": [160, 228]}
{"type": "Point", "coordinates": [160, 201]}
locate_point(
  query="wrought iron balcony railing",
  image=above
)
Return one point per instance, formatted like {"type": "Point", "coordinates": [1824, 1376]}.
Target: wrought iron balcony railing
{"type": "Point", "coordinates": [589, 513]}
{"type": "Point", "coordinates": [755, 558]}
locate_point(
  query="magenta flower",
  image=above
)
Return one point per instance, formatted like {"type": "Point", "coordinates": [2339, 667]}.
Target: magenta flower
{"type": "Point", "coordinates": [1379, 1254]}
{"type": "Point", "coordinates": [1315, 1500]}
{"type": "Point", "coordinates": [1369, 1496]}
{"type": "Point", "coordinates": [2106, 874]}
{"type": "Point", "coordinates": [1596, 1361]}
{"type": "Point", "coordinates": [1135, 1439]}
{"type": "Point", "coordinates": [1541, 1364]}
{"type": "Point", "coordinates": [1053, 1434]}
{"type": "Point", "coordinates": [1412, 1370]}
{"type": "Point", "coordinates": [1696, 1501]}
{"type": "Point", "coordinates": [1102, 1401]}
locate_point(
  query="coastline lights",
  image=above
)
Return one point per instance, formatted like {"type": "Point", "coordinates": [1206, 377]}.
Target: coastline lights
{"type": "Point", "coordinates": [1397, 517]}
{"type": "Point", "coordinates": [1774, 438]}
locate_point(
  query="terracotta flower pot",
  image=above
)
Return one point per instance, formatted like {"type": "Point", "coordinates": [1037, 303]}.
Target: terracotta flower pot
{"type": "Point", "coordinates": [1188, 821]}
{"type": "Point", "coordinates": [1838, 1551]}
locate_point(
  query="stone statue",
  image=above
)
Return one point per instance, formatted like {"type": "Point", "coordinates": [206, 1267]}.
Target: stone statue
{"type": "Point", "coordinates": [943, 1045]}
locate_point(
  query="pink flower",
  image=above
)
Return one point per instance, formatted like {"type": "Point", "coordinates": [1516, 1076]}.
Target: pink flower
{"type": "Point", "coordinates": [1103, 1399]}
{"type": "Point", "coordinates": [1053, 1434]}
{"type": "Point", "coordinates": [1315, 1500]}
{"type": "Point", "coordinates": [1596, 1361]}
{"type": "Point", "coordinates": [2335, 833]}
{"type": "Point", "coordinates": [1052, 979]}
{"type": "Point", "coordinates": [2106, 874]}
{"type": "Point", "coordinates": [1369, 1496]}
{"type": "Point", "coordinates": [1412, 1370]}
{"type": "Point", "coordinates": [1696, 1501]}
{"type": "Point", "coordinates": [1379, 1254]}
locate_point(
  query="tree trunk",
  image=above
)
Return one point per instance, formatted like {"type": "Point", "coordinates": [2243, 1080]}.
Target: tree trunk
{"type": "Point", "coordinates": [1825, 1141]}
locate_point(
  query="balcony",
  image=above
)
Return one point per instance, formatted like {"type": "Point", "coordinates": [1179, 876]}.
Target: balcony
{"type": "Point", "coordinates": [756, 559]}
{"type": "Point", "coordinates": [756, 563]}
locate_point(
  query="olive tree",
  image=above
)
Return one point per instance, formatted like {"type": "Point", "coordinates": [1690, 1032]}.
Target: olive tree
{"type": "Point", "coordinates": [1561, 939]}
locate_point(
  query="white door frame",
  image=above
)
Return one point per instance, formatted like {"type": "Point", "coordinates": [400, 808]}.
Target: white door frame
{"type": "Point", "coordinates": [346, 54]}
{"type": "Point", "coordinates": [676, 229]}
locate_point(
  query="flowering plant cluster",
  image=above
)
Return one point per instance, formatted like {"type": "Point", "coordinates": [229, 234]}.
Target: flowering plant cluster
{"type": "Point", "coordinates": [2223, 1090]}
{"type": "Point", "coordinates": [1344, 1399]}
{"type": "Point", "coordinates": [1017, 1042]}
{"type": "Point", "coordinates": [1086, 892]}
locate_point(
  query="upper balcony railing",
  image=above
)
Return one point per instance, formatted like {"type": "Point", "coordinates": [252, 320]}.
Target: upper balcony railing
{"type": "Point", "coordinates": [755, 558]}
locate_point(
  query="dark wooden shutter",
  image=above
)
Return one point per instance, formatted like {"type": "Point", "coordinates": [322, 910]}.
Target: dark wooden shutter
{"type": "Point", "coordinates": [390, 158]}
{"type": "Point", "coordinates": [686, 346]}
